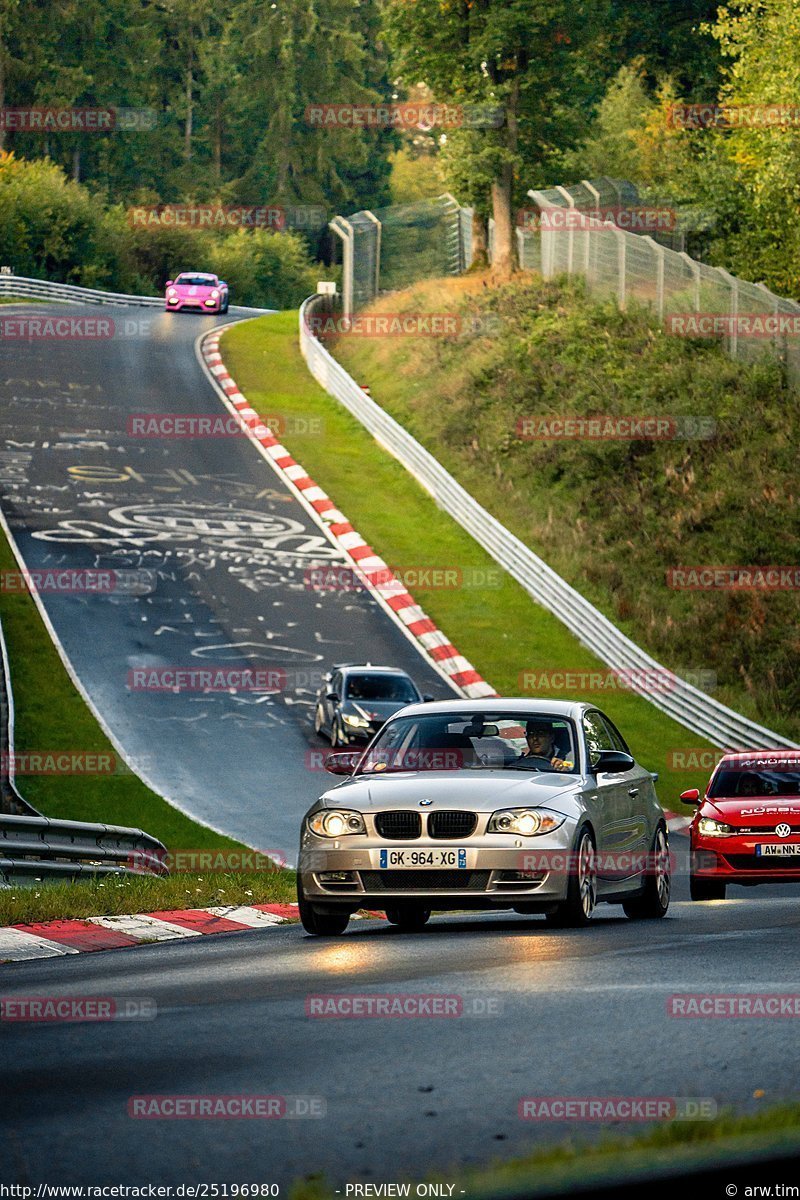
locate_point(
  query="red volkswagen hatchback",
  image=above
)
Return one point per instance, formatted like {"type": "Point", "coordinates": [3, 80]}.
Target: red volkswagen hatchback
{"type": "Point", "coordinates": [747, 826]}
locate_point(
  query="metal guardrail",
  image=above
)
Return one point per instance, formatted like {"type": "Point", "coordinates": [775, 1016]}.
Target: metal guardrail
{"type": "Point", "coordinates": [682, 701]}
{"type": "Point", "coordinates": [34, 847]}
{"type": "Point", "coordinates": [11, 802]}
{"type": "Point", "coordinates": [68, 293]}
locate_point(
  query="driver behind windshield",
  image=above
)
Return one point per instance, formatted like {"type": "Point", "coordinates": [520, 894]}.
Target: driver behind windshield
{"type": "Point", "coordinates": [541, 743]}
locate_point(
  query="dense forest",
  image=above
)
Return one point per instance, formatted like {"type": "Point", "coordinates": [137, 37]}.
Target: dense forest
{"type": "Point", "coordinates": [211, 102]}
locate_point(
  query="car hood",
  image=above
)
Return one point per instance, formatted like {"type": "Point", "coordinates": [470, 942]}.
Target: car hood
{"type": "Point", "coordinates": [194, 289]}
{"type": "Point", "coordinates": [481, 791]}
{"type": "Point", "coordinates": [754, 810]}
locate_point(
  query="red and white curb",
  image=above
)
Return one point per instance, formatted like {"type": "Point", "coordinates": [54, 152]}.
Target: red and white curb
{"type": "Point", "coordinates": [51, 939]}
{"type": "Point", "coordinates": [376, 575]}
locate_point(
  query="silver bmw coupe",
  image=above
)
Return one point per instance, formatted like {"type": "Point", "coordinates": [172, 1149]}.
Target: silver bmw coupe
{"type": "Point", "coordinates": [533, 805]}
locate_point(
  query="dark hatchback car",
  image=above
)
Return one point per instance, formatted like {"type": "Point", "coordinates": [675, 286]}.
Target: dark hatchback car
{"type": "Point", "coordinates": [356, 700]}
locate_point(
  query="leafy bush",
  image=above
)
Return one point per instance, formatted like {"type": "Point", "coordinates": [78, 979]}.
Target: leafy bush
{"type": "Point", "coordinates": [52, 228]}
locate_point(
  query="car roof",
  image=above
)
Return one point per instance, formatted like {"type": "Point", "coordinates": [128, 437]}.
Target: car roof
{"type": "Point", "coordinates": [347, 668]}
{"type": "Point", "coordinates": [201, 274]}
{"type": "Point", "coordinates": [525, 706]}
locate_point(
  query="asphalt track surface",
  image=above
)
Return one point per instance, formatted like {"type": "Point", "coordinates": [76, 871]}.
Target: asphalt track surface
{"type": "Point", "coordinates": [221, 543]}
{"type": "Point", "coordinates": [573, 1014]}
{"type": "Point", "coordinates": [576, 1013]}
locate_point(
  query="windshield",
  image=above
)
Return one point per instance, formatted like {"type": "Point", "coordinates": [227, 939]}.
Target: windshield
{"type": "Point", "coordinates": [773, 781]}
{"type": "Point", "coordinates": [380, 687]}
{"type": "Point", "coordinates": [475, 741]}
{"type": "Point", "coordinates": [197, 280]}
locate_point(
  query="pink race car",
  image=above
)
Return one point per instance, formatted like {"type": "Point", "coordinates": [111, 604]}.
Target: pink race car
{"type": "Point", "coordinates": [196, 290]}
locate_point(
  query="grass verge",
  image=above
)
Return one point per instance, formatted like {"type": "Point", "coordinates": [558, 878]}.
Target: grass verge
{"type": "Point", "coordinates": [615, 1159]}
{"type": "Point", "coordinates": [499, 628]}
{"type": "Point", "coordinates": [121, 894]}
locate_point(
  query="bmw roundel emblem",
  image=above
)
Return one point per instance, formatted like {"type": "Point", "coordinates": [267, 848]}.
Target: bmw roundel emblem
{"type": "Point", "coordinates": [426, 803]}
{"type": "Point", "coordinates": [783, 830]}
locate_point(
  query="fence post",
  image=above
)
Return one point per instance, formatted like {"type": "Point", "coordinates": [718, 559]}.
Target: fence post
{"type": "Point", "coordinates": [571, 232]}
{"type": "Point", "coordinates": [733, 310]}
{"type": "Point", "coordinates": [343, 229]}
{"type": "Point", "coordinates": [590, 224]}
{"type": "Point", "coordinates": [546, 236]}
{"type": "Point", "coordinates": [372, 217]}
{"type": "Point", "coordinates": [660, 256]}
{"type": "Point", "coordinates": [694, 267]}
{"type": "Point", "coordinates": [621, 262]}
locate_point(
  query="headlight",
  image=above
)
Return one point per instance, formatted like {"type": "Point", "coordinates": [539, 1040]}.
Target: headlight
{"type": "Point", "coordinates": [172, 292]}
{"type": "Point", "coordinates": [355, 722]}
{"type": "Point", "coordinates": [214, 293]}
{"type": "Point", "coordinates": [335, 822]}
{"type": "Point", "coordinates": [712, 828]}
{"type": "Point", "coordinates": [527, 821]}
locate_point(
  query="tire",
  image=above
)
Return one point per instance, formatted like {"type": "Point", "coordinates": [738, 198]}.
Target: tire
{"type": "Point", "coordinates": [337, 742]}
{"type": "Point", "coordinates": [706, 889]}
{"type": "Point", "coordinates": [225, 309]}
{"type": "Point", "coordinates": [408, 919]}
{"type": "Point", "coordinates": [653, 901]}
{"type": "Point", "coordinates": [578, 908]}
{"type": "Point", "coordinates": [318, 923]}
{"type": "Point", "coordinates": [318, 720]}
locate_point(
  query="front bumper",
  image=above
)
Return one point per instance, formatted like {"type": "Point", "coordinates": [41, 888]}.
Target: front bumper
{"type": "Point", "coordinates": [734, 860]}
{"type": "Point", "coordinates": [178, 305]}
{"type": "Point", "coordinates": [487, 879]}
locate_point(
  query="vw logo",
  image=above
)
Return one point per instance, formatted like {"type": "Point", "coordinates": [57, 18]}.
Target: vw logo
{"type": "Point", "coordinates": [426, 803]}
{"type": "Point", "coordinates": [783, 830]}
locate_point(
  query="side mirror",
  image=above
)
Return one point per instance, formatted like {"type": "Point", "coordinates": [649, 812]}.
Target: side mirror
{"type": "Point", "coordinates": [612, 761]}
{"type": "Point", "coordinates": [169, 283]}
{"type": "Point", "coordinates": [342, 762]}
{"type": "Point", "coordinates": [334, 699]}
{"type": "Point", "coordinates": [426, 699]}
{"type": "Point", "coordinates": [654, 776]}
{"type": "Point", "coordinates": [692, 796]}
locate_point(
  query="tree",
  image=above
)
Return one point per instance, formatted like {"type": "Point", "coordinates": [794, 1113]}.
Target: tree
{"type": "Point", "coordinates": [535, 61]}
